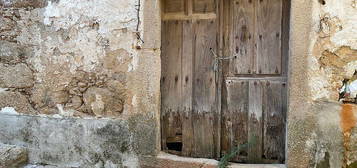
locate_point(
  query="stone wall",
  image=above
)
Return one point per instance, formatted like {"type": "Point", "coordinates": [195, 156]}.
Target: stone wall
{"type": "Point", "coordinates": [75, 58]}
{"type": "Point", "coordinates": [323, 52]}
{"type": "Point", "coordinates": [79, 80]}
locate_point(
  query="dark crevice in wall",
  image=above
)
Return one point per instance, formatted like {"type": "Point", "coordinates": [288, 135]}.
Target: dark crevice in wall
{"type": "Point", "coordinates": [322, 2]}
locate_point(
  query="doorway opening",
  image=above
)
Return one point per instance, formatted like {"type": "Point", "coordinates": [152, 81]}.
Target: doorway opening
{"type": "Point", "coordinates": [224, 78]}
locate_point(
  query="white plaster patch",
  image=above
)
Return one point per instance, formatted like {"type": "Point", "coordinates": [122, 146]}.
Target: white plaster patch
{"type": "Point", "coordinates": [318, 85]}
{"type": "Point", "coordinates": [110, 13]}
{"type": "Point", "coordinates": [350, 68]}
{"type": "Point", "coordinates": [85, 48]}
{"type": "Point", "coordinates": [345, 11]}
{"type": "Point", "coordinates": [134, 101]}
{"type": "Point", "coordinates": [3, 89]}
{"type": "Point", "coordinates": [9, 110]}
{"type": "Point", "coordinates": [319, 80]}
{"type": "Point", "coordinates": [62, 112]}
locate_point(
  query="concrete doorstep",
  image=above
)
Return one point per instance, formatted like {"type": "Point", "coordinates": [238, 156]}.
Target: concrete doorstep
{"type": "Point", "coordinates": [165, 160]}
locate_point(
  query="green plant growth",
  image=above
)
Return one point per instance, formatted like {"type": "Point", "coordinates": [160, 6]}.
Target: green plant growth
{"type": "Point", "coordinates": [224, 162]}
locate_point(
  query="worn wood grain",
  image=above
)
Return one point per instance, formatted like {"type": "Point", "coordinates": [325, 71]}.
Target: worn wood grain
{"type": "Point", "coordinates": [174, 6]}
{"type": "Point", "coordinates": [187, 87]}
{"type": "Point", "coordinates": [274, 120]}
{"type": "Point", "coordinates": [268, 37]}
{"type": "Point", "coordinates": [204, 92]}
{"type": "Point", "coordinates": [243, 37]}
{"type": "Point", "coordinates": [244, 102]}
{"type": "Point", "coordinates": [227, 19]}
{"type": "Point", "coordinates": [204, 6]}
{"type": "Point", "coordinates": [285, 27]}
{"type": "Point", "coordinates": [235, 117]}
{"type": "Point", "coordinates": [171, 85]}
{"type": "Point", "coordinates": [218, 80]}
{"type": "Point", "coordinates": [255, 134]}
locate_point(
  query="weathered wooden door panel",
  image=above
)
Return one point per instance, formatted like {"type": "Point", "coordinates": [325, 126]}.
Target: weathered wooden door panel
{"type": "Point", "coordinates": [204, 91]}
{"type": "Point", "coordinates": [254, 90]}
{"type": "Point", "coordinates": [188, 85]}
{"type": "Point", "coordinates": [171, 87]}
{"type": "Point", "coordinates": [253, 115]}
{"type": "Point", "coordinates": [274, 114]}
{"type": "Point", "coordinates": [203, 128]}
{"type": "Point", "coordinates": [235, 117]}
{"type": "Point", "coordinates": [174, 6]}
{"type": "Point", "coordinates": [187, 88]}
{"type": "Point", "coordinates": [268, 38]}
{"type": "Point", "coordinates": [255, 121]}
{"type": "Point", "coordinates": [204, 6]}
{"type": "Point", "coordinates": [208, 113]}
{"type": "Point", "coordinates": [243, 31]}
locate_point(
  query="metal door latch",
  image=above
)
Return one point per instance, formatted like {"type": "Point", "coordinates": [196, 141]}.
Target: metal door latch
{"type": "Point", "coordinates": [217, 59]}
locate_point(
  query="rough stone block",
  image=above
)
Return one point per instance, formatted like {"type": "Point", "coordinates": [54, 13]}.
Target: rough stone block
{"type": "Point", "coordinates": [102, 102]}
{"type": "Point", "coordinates": [12, 156]}
{"type": "Point", "coordinates": [23, 4]}
{"type": "Point", "coordinates": [16, 76]}
{"type": "Point", "coordinates": [10, 52]}
{"type": "Point", "coordinates": [15, 101]}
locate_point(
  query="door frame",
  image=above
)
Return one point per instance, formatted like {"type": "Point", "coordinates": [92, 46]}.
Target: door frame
{"type": "Point", "coordinates": [219, 74]}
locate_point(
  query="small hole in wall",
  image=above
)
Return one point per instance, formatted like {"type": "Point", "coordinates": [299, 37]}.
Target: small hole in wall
{"type": "Point", "coordinates": [323, 2]}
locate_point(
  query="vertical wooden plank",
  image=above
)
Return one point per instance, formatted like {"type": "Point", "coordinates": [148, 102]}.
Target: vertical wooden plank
{"type": "Point", "coordinates": [171, 82]}
{"type": "Point", "coordinates": [255, 134]}
{"type": "Point", "coordinates": [187, 78]}
{"type": "Point", "coordinates": [189, 4]}
{"type": "Point", "coordinates": [203, 135]}
{"type": "Point", "coordinates": [284, 99]}
{"type": "Point", "coordinates": [204, 91]}
{"type": "Point", "coordinates": [204, 6]}
{"type": "Point", "coordinates": [243, 37]}
{"type": "Point", "coordinates": [227, 22]}
{"type": "Point", "coordinates": [269, 18]}
{"type": "Point", "coordinates": [274, 121]}
{"type": "Point", "coordinates": [235, 117]}
{"type": "Point", "coordinates": [219, 79]}
{"type": "Point", "coordinates": [285, 26]}
{"type": "Point", "coordinates": [174, 6]}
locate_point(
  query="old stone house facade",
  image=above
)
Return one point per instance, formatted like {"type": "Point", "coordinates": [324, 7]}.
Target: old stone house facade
{"type": "Point", "coordinates": [80, 82]}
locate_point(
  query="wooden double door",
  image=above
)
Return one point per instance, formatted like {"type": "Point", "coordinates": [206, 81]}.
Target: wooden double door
{"type": "Point", "coordinates": [224, 74]}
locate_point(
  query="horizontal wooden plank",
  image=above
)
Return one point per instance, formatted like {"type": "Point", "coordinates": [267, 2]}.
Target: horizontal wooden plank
{"type": "Point", "coordinates": [182, 16]}
{"type": "Point", "coordinates": [278, 78]}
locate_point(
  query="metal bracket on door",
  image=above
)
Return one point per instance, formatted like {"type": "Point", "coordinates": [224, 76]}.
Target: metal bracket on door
{"type": "Point", "coordinates": [217, 59]}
